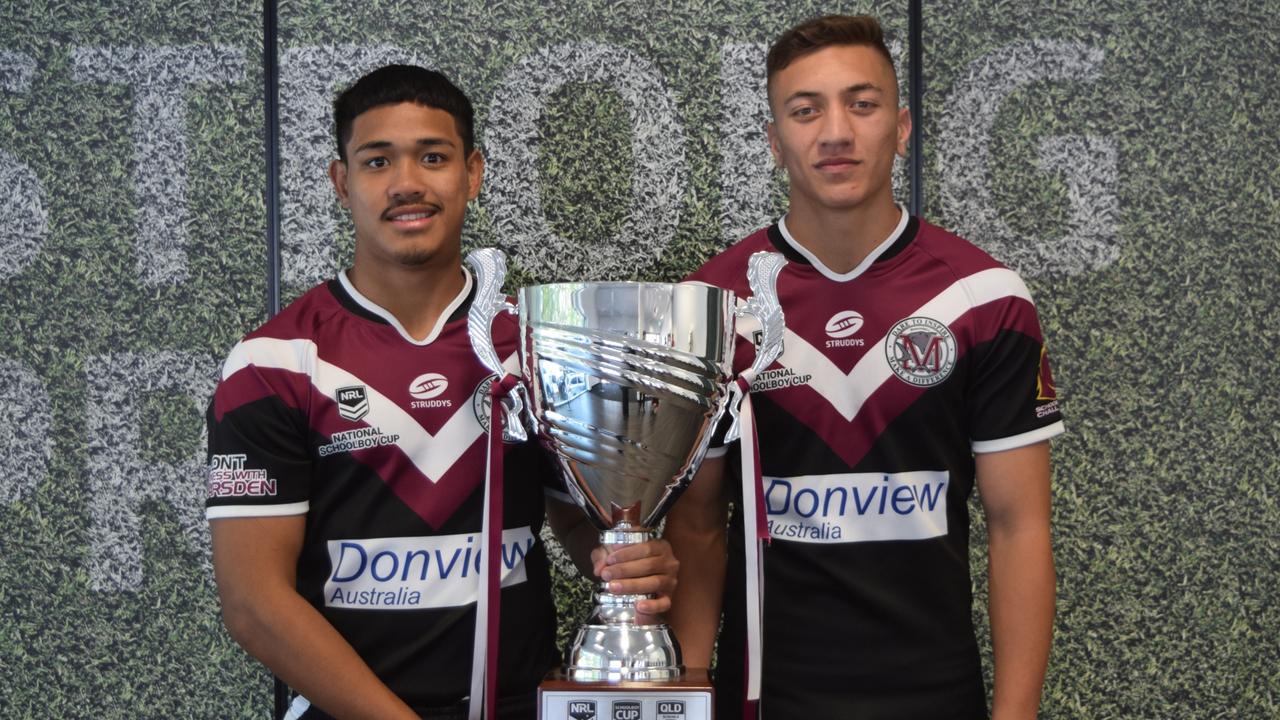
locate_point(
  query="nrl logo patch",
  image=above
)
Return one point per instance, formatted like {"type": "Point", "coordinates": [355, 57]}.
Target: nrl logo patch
{"type": "Point", "coordinates": [582, 709]}
{"type": "Point", "coordinates": [353, 402]}
{"type": "Point", "coordinates": [921, 351]}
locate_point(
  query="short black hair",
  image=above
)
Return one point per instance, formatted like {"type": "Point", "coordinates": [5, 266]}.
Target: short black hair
{"type": "Point", "coordinates": [393, 84]}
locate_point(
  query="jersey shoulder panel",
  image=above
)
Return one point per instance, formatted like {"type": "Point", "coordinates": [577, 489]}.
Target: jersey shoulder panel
{"type": "Point", "coordinates": [981, 276]}
{"type": "Point", "coordinates": [280, 355]}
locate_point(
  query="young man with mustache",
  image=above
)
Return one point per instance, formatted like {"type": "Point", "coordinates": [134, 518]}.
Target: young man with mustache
{"type": "Point", "coordinates": [348, 439]}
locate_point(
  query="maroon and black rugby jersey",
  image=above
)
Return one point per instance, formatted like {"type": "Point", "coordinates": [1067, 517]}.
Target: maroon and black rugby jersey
{"type": "Point", "coordinates": [892, 376]}
{"type": "Point", "coordinates": [331, 409]}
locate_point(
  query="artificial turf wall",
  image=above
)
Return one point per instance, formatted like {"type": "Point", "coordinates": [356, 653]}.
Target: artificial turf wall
{"type": "Point", "coordinates": [1122, 155]}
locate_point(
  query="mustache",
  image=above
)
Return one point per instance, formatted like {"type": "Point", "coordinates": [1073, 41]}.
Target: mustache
{"type": "Point", "coordinates": [415, 203]}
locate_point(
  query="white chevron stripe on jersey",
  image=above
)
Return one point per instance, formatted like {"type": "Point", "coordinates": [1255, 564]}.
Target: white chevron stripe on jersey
{"type": "Point", "coordinates": [847, 393]}
{"type": "Point", "coordinates": [432, 455]}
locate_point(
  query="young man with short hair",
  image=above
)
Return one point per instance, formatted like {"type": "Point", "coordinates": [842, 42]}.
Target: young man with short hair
{"type": "Point", "coordinates": [347, 442]}
{"type": "Point", "coordinates": [913, 368]}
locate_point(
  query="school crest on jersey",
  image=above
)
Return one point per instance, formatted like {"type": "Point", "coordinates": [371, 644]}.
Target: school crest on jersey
{"type": "Point", "coordinates": [921, 351]}
{"type": "Point", "coordinates": [481, 404]}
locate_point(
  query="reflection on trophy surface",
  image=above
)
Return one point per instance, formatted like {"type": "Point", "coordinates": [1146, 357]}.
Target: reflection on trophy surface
{"type": "Point", "coordinates": [626, 383]}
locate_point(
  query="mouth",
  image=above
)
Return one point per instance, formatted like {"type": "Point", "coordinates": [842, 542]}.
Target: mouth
{"type": "Point", "coordinates": [837, 164]}
{"type": "Point", "coordinates": [410, 217]}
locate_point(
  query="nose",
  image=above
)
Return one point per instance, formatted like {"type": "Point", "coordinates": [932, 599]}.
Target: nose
{"type": "Point", "coordinates": [407, 183]}
{"type": "Point", "coordinates": [836, 129]}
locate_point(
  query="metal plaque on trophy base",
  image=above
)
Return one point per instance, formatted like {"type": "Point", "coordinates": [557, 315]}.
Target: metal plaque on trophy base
{"type": "Point", "coordinates": [625, 383]}
{"type": "Point", "coordinates": [688, 697]}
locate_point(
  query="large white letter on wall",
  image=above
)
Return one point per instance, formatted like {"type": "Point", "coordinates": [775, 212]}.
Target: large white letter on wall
{"type": "Point", "coordinates": [25, 442]}
{"type": "Point", "coordinates": [1088, 162]}
{"type": "Point", "coordinates": [24, 222]}
{"type": "Point", "coordinates": [159, 77]}
{"type": "Point", "coordinates": [121, 480]}
{"type": "Point", "coordinates": [511, 142]}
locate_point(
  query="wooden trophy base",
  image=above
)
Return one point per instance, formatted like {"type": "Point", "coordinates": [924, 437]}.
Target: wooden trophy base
{"type": "Point", "coordinates": [689, 698]}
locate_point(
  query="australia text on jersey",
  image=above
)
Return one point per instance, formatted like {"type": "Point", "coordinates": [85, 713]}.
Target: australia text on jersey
{"type": "Point", "coordinates": [858, 507]}
{"type": "Point", "coordinates": [412, 573]}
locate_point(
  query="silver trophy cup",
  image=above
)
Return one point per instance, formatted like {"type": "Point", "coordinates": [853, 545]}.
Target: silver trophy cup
{"type": "Point", "coordinates": [625, 384]}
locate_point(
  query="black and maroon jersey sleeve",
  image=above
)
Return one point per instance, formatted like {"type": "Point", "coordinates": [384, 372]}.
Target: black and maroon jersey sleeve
{"type": "Point", "coordinates": [1011, 397]}
{"type": "Point", "coordinates": [259, 460]}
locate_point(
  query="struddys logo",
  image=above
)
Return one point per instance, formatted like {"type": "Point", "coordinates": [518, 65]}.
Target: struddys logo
{"type": "Point", "coordinates": [353, 402]}
{"type": "Point", "coordinates": [582, 709]}
{"type": "Point", "coordinates": [414, 573]}
{"type": "Point", "coordinates": [228, 477]}
{"type": "Point", "coordinates": [921, 351]}
{"type": "Point", "coordinates": [426, 390]}
{"type": "Point", "coordinates": [842, 327]}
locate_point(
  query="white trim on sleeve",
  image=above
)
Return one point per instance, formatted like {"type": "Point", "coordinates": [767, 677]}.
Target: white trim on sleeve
{"type": "Point", "coordinates": [1017, 441]}
{"type": "Point", "coordinates": [297, 708]}
{"type": "Point", "coordinates": [232, 511]}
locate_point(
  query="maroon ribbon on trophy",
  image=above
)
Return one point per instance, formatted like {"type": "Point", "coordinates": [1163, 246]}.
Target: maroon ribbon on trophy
{"type": "Point", "coordinates": [484, 662]}
{"type": "Point", "coordinates": [753, 513]}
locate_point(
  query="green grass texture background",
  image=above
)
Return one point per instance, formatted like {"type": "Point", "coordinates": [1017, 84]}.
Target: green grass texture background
{"type": "Point", "coordinates": [1163, 321]}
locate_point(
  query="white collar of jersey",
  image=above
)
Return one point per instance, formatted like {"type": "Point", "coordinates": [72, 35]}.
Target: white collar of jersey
{"type": "Point", "coordinates": [378, 310]}
{"type": "Point", "coordinates": [862, 266]}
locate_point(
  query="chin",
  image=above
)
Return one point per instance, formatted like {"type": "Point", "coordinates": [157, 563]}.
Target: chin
{"type": "Point", "coordinates": [416, 258]}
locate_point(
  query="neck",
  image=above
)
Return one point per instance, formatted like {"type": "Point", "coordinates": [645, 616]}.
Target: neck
{"type": "Point", "coordinates": [842, 238]}
{"type": "Point", "coordinates": [415, 295]}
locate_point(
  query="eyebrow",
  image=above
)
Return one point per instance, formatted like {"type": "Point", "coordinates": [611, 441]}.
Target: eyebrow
{"type": "Point", "coordinates": [856, 88]}
{"type": "Point", "coordinates": [384, 144]}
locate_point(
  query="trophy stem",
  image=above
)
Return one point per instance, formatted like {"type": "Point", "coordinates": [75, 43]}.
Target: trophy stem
{"type": "Point", "coordinates": [618, 643]}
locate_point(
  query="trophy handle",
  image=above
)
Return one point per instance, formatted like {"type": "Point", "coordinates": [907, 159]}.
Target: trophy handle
{"type": "Point", "coordinates": [490, 266]}
{"type": "Point", "coordinates": [762, 275]}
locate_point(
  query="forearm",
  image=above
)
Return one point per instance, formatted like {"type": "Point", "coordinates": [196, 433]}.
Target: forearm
{"type": "Point", "coordinates": [695, 605]}
{"type": "Point", "coordinates": [297, 644]}
{"type": "Point", "coordinates": [1021, 607]}
{"type": "Point", "coordinates": [254, 561]}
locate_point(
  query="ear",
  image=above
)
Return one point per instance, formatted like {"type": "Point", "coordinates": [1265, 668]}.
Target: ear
{"type": "Point", "coordinates": [338, 176]}
{"type": "Point", "coordinates": [475, 173]}
{"type": "Point", "coordinates": [904, 130]}
{"type": "Point", "coordinates": [775, 143]}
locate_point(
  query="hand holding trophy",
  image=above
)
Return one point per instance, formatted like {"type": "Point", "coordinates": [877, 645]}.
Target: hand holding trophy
{"type": "Point", "coordinates": [625, 383]}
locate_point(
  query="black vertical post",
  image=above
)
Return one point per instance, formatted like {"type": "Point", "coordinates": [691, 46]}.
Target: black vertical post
{"type": "Point", "coordinates": [271, 83]}
{"type": "Point", "coordinates": [271, 92]}
{"type": "Point", "coordinates": [915, 33]}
